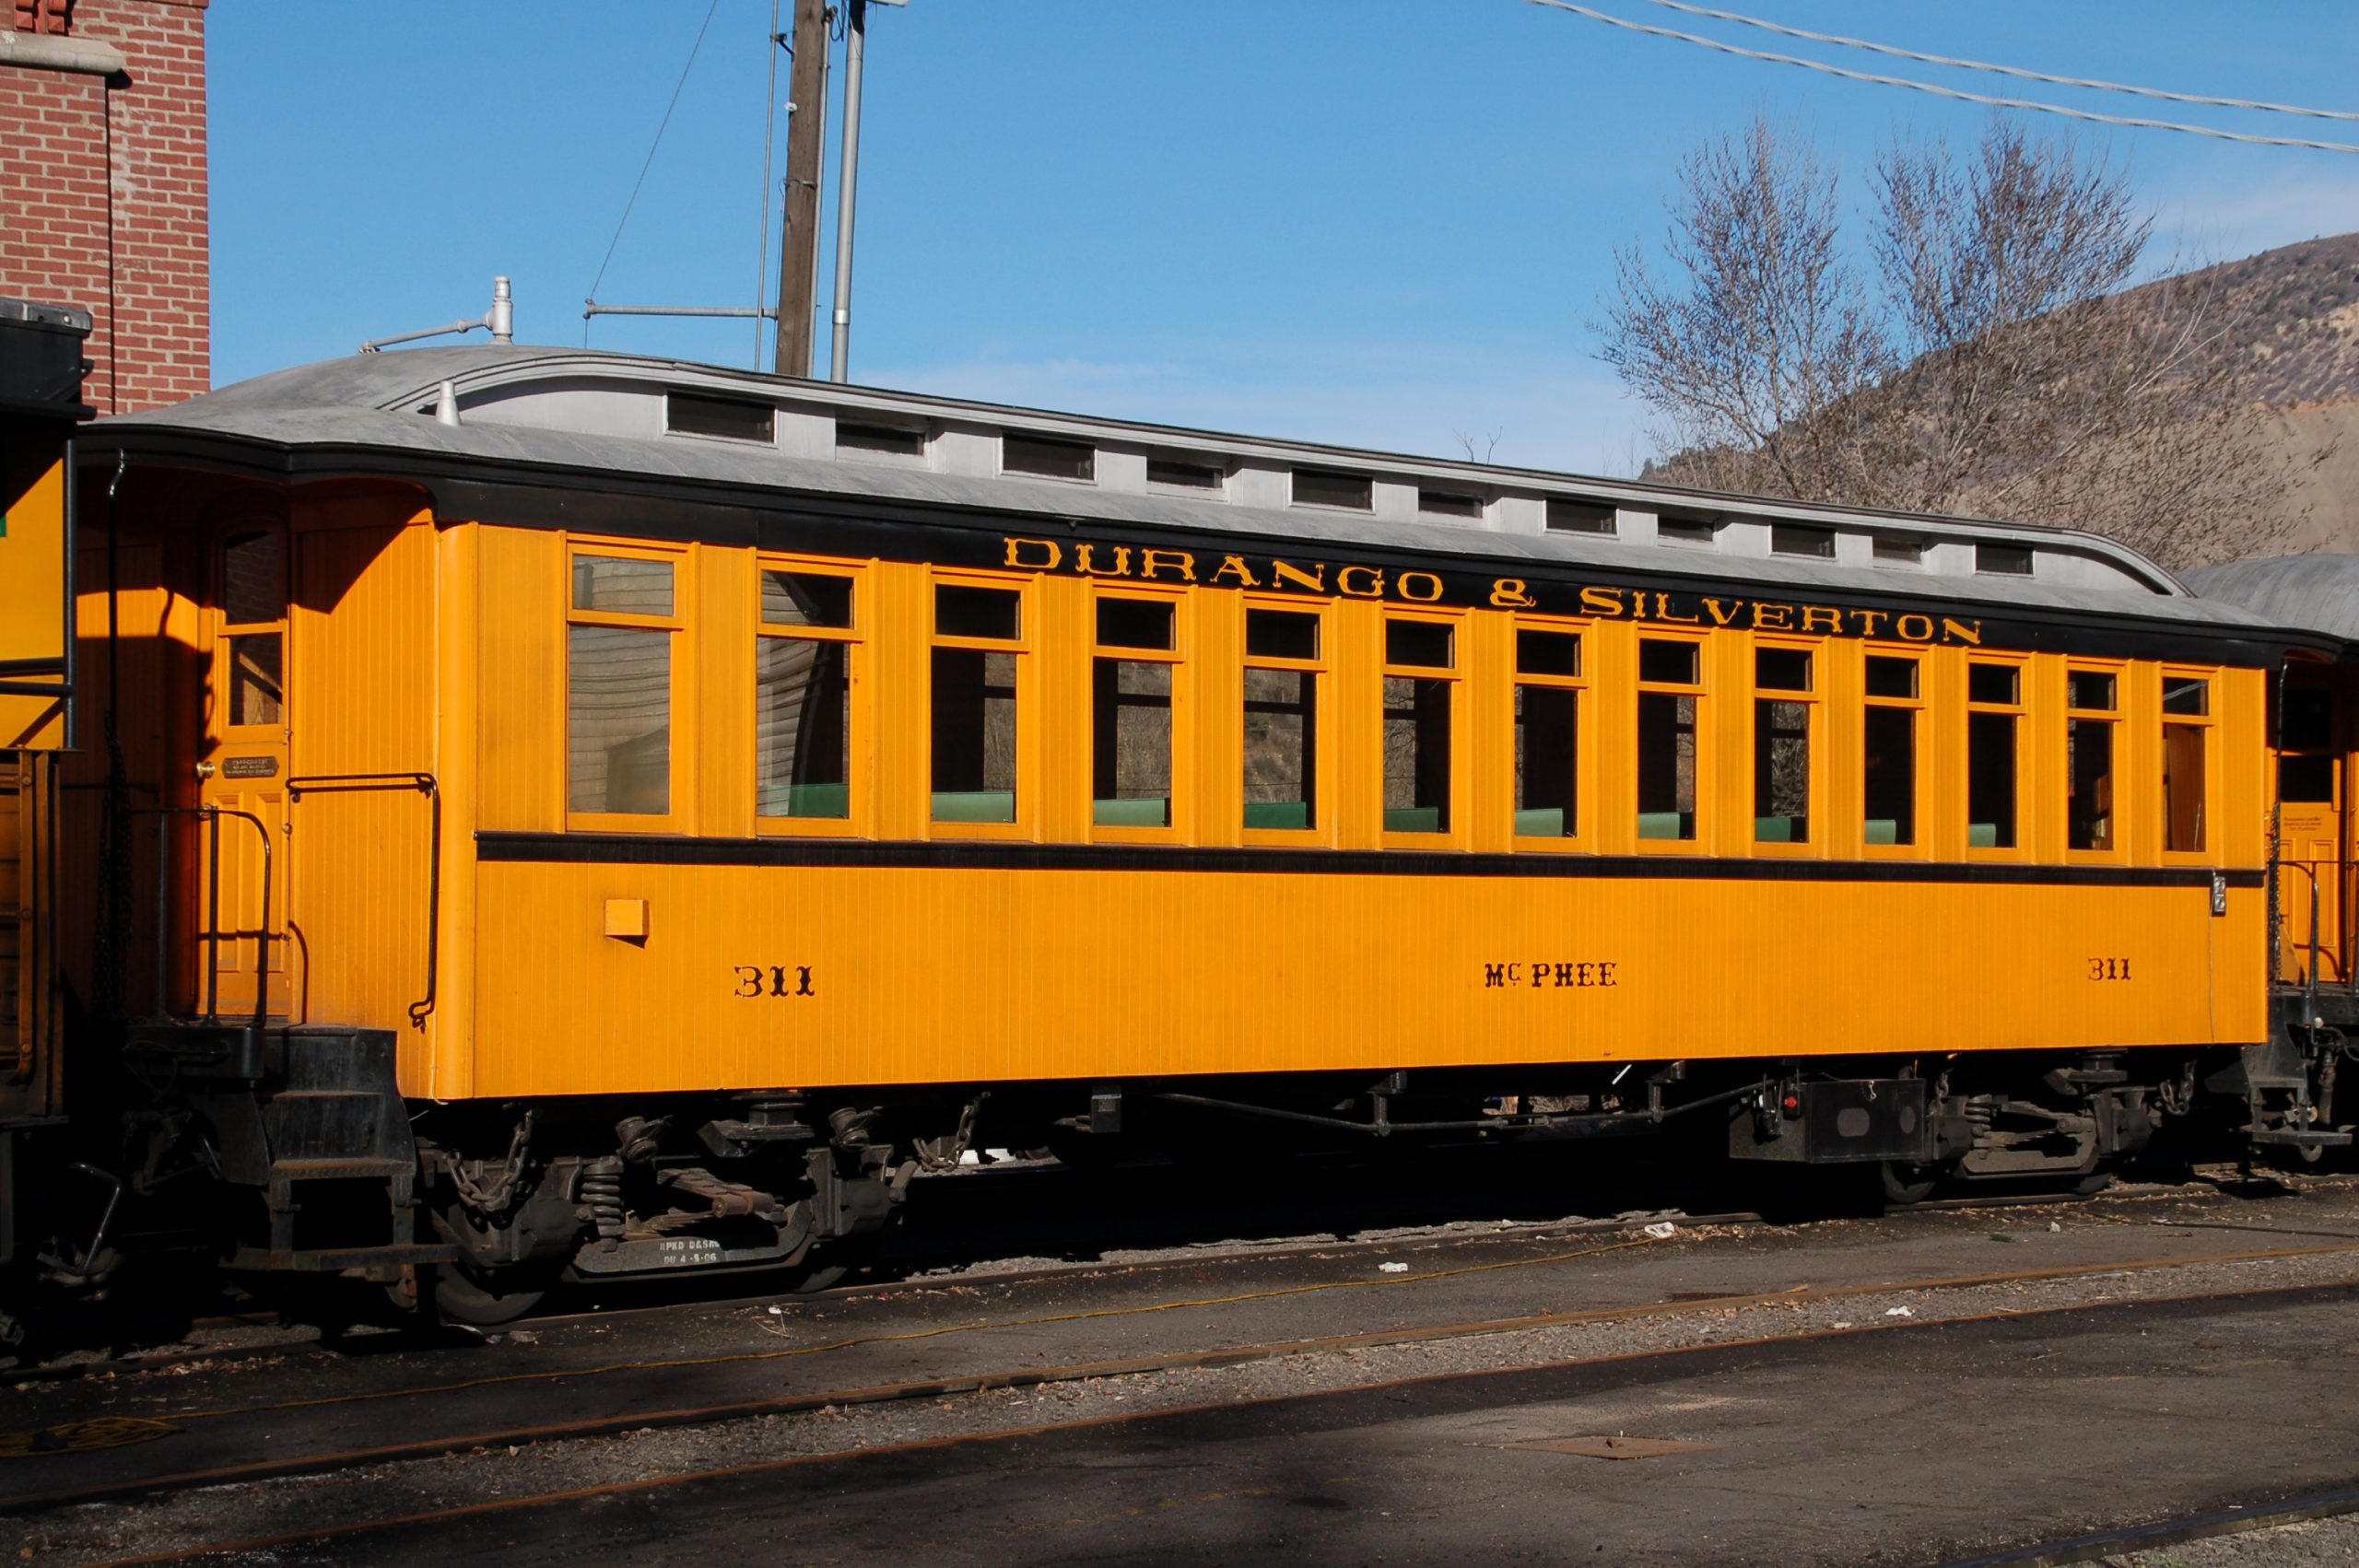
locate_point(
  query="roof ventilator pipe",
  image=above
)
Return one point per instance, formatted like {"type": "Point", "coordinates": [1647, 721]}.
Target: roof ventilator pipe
{"type": "Point", "coordinates": [499, 320]}
{"type": "Point", "coordinates": [446, 405]}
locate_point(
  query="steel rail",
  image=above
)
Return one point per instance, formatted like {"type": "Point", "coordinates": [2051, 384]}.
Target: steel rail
{"type": "Point", "coordinates": [1220, 1356]}
{"type": "Point", "coordinates": [2235, 1520]}
{"type": "Point", "coordinates": [741, 1287]}
{"type": "Point", "coordinates": [1038, 1376]}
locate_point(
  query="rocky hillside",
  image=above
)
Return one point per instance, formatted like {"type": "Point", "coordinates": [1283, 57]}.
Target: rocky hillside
{"type": "Point", "coordinates": [2295, 313]}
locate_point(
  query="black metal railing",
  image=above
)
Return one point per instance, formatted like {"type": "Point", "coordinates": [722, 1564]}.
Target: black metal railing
{"type": "Point", "coordinates": [340, 783]}
{"type": "Point", "coordinates": [2315, 872]}
{"type": "Point", "coordinates": [210, 816]}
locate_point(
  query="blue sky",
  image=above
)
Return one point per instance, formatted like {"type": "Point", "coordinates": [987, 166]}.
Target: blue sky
{"type": "Point", "coordinates": [1379, 224]}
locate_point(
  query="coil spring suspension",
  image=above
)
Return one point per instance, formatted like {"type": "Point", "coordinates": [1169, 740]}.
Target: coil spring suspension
{"type": "Point", "coordinates": [602, 1196]}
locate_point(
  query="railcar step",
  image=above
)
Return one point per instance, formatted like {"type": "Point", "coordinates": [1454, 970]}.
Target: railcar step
{"type": "Point", "coordinates": [340, 1170]}
{"type": "Point", "coordinates": [2302, 1138]}
{"type": "Point", "coordinates": [328, 1260]}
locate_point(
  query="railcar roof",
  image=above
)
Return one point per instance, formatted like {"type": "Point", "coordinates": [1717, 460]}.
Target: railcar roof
{"type": "Point", "coordinates": [572, 415]}
{"type": "Point", "coordinates": [2317, 593]}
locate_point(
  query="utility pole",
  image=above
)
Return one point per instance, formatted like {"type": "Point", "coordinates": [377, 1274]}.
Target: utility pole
{"type": "Point", "coordinates": [847, 182]}
{"type": "Point", "coordinates": [798, 255]}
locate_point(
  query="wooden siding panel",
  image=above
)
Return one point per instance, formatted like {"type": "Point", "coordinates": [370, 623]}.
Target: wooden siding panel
{"type": "Point", "coordinates": [975, 973]}
{"type": "Point", "coordinates": [920, 974]}
{"type": "Point", "coordinates": [520, 599]}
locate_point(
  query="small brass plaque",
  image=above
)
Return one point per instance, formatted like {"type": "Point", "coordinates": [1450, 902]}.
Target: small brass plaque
{"type": "Point", "coordinates": [249, 767]}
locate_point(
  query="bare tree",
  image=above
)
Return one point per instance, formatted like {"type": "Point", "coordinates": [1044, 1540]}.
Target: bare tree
{"type": "Point", "coordinates": [1997, 364]}
{"type": "Point", "coordinates": [1490, 444]}
{"type": "Point", "coordinates": [1764, 325]}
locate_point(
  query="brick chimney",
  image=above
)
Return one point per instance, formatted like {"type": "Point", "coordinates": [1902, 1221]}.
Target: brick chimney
{"type": "Point", "coordinates": [103, 183]}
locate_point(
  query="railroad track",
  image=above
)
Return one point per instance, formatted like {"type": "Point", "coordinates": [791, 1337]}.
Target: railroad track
{"type": "Point", "coordinates": [636, 1417]}
{"type": "Point", "coordinates": [2242, 1519]}
{"type": "Point", "coordinates": [351, 1533]}
{"type": "Point", "coordinates": [941, 1270]}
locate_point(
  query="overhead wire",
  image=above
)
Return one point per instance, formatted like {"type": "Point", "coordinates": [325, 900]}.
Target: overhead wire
{"type": "Point", "coordinates": [651, 148]}
{"type": "Point", "coordinates": [2030, 105]}
{"type": "Point", "coordinates": [2093, 84]}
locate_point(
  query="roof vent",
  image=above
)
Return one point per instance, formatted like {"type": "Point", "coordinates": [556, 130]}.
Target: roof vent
{"type": "Point", "coordinates": [499, 320]}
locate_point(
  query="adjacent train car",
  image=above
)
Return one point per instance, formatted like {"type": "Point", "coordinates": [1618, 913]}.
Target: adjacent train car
{"type": "Point", "coordinates": [573, 814]}
{"type": "Point", "coordinates": [40, 405]}
{"type": "Point", "coordinates": [2314, 744]}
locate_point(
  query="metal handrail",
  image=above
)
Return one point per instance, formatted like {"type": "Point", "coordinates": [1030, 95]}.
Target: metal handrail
{"type": "Point", "coordinates": [425, 784]}
{"type": "Point", "coordinates": [60, 671]}
{"type": "Point", "coordinates": [211, 816]}
{"type": "Point", "coordinates": [2310, 868]}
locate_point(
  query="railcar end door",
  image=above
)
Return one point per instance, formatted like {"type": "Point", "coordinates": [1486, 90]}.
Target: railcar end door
{"type": "Point", "coordinates": [241, 772]}
{"type": "Point", "coordinates": [2313, 832]}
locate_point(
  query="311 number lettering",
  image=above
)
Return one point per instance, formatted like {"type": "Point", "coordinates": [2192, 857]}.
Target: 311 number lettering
{"type": "Point", "coordinates": [774, 981]}
{"type": "Point", "coordinates": [2108, 969]}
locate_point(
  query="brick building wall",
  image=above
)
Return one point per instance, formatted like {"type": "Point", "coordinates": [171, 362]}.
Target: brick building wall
{"type": "Point", "coordinates": [103, 187]}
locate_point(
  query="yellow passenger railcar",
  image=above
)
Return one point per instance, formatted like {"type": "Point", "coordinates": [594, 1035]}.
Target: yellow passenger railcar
{"type": "Point", "coordinates": [40, 405]}
{"type": "Point", "coordinates": [575, 812]}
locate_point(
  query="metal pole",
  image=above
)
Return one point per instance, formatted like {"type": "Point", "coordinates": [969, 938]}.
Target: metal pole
{"type": "Point", "coordinates": [211, 816]}
{"type": "Point", "coordinates": [847, 178]}
{"type": "Point", "coordinates": [163, 918]}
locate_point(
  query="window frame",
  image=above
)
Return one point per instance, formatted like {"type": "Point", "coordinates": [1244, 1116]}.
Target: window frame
{"type": "Point", "coordinates": [678, 395]}
{"type": "Point", "coordinates": [1026, 646]}
{"type": "Point", "coordinates": [1920, 740]}
{"type": "Point", "coordinates": [2117, 776]}
{"type": "Point", "coordinates": [227, 631]}
{"type": "Point", "coordinates": [679, 693]}
{"type": "Point", "coordinates": [2028, 813]}
{"type": "Point", "coordinates": [857, 823]}
{"type": "Point", "coordinates": [921, 434]}
{"type": "Point", "coordinates": [1464, 505]}
{"type": "Point", "coordinates": [1007, 470]}
{"type": "Point", "coordinates": [1182, 824]}
{"type": "Point", "coordinates": [1323, 732]}
{"type": "Point", "coordinates": [1706, 819]}
{"type": "Point", "coordinates": [2209, 721]}
{"type": "Point", "coordinates": [1460, 651]}
{"type": "Point", "coordinates": [1294, 476]}
{"type": "Point", "coordinates": [1817, 541]}
{"type": "Point", "coordinates": [1610, 517]}
{"type": "Point", "coordinates": [1218, 469]}
{"type": "Point", "coordinates": [1813, 700]}
{"type": "Point", "coordinates": [1585, 803]}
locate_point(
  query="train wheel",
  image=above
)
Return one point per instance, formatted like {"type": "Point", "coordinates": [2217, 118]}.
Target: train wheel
{"type": "Point", "coordinates": [1905, 1184]}
{"type": "Point", "coordinates": [821, 1277]}
{"type": "Point", "coordinates": [483, 1301]}
{"type": "Point", "coordinates": [823, 1264]}
{"type": "Point", "coordinates": [2094, 1183]}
